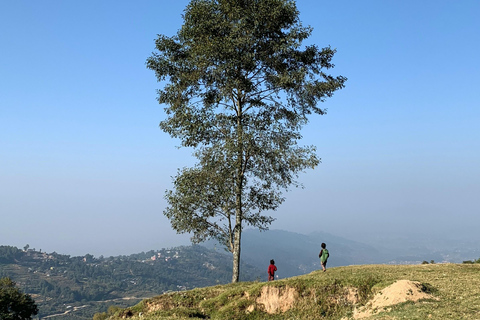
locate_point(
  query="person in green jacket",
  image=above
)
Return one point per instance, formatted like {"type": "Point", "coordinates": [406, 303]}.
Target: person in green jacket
{"type": "Point", "coordinates": [323, 255]}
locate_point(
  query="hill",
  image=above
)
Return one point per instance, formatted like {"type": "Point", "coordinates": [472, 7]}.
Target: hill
{"type": "Point", "coordinates": [428, 291]}
{"type": "Point", "coordinates": [297, 254]}
{"type": "Point", "coordinates": [67, 287]}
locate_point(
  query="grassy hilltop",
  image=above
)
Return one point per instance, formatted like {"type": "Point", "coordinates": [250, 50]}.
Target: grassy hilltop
{"type": "Point", "coordinates": [430, 291]}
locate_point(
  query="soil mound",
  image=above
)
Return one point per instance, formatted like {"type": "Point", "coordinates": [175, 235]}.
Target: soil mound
{"type": "Point", "coordinates": [398, 292]}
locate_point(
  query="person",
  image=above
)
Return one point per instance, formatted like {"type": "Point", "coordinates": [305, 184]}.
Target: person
{"type": "Point", "coordinates": [323, 255]}
{"type": "Point", "coordinates": [271, 270]}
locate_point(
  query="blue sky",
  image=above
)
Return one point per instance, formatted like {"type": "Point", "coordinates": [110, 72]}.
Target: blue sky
{"type": "Point", "coordinates": [83, 164]}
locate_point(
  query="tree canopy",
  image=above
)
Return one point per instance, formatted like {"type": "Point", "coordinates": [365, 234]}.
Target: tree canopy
{"type": "Point", "coordinates": [14, 304]}
{"type": "Point", "coordinates": [238, 87]}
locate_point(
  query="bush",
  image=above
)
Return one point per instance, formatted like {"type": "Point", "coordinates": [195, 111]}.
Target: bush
{"type": "Point", "coordinates": [471, 261]}
{"type": "Point", "coordinates": [100, 316]}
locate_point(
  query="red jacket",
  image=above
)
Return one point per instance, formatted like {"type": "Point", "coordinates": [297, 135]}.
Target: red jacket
{"type": "Point", "coordinates": [271, 269]}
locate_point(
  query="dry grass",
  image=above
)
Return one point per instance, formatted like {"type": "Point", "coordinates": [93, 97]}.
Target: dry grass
{"type": "Point", "coordinates": [454, 290]}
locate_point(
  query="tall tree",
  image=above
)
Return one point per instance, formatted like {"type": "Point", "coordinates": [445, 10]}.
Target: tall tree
{"type": "Point", "coordinates": [238, 88]}
{"type": "Point", "coordinates": [14, 304]}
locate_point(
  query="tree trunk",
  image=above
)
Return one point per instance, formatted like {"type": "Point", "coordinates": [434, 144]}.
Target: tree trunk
{"type": "Point", "coordinates": [236, 252]}
{"type": "Point", "coordinates": [237, 233]}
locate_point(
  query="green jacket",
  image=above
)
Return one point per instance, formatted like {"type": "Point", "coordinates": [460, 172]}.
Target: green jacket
{"type": "Point", "coordinates": [324, 255]}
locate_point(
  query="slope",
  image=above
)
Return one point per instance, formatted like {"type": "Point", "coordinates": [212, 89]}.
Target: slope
{"type": "Point", "coordinates": [431, 291]}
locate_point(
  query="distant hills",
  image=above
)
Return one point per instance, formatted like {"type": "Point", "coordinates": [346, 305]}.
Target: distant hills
{"type": "Point", "coordinates": [67, 287]}
{"type": "Point", "coordinates": [70, 287]}
{"type": "Point", "coordinates": [296, 254]}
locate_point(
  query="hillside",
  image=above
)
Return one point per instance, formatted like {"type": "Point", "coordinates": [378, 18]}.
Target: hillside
{"type": "Point", "coordinates": [67, 287]}
{"type": "Point", "coordinates": [297, 254]}
{"type": "Point", "coordinates": [428, 291]}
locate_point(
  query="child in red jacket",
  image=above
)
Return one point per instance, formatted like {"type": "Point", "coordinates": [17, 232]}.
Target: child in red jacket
{"type": "Point", "coordinates": [271, 270]}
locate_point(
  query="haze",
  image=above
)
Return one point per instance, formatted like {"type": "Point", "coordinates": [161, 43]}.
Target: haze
{"type": "Point", "coordinates": [84, 166]}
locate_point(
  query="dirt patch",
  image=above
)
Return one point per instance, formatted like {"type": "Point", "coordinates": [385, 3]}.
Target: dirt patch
{"type": "Point", "coordinates": [276, 299]}
{"type": "Point", "coordinates": [352, 296]}
{"type": "Point", "coordinates": [152, 307]}
{"type": "Point", "coordinates": [400, 291]}
{"type": "Point", "coordinates": [163, 302]}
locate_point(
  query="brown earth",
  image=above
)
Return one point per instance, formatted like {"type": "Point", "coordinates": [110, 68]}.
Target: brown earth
{"type": "Point", "coordinates": [399, 292]}
{"type": "Point", "coordinates": [273, 299]}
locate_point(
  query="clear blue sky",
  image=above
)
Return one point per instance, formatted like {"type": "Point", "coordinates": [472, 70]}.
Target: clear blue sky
{"type": "Point", "coordinates": [84, 166]}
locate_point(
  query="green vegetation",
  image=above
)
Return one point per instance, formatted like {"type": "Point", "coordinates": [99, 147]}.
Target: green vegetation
{"type": "Point", "coordinates": [239, 87]}
{"type": "Point", "coordinates": [14, 304]}
{"type": "Point", "coordinates": [472, 261]}
{"type": "Point", "coordinates": [81, 286]}
{"type": "Point", "coordinates": [454, 291]}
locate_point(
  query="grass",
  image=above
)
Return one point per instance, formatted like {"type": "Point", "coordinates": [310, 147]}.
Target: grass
{"type": "Point", "coordinates": [456, 288]}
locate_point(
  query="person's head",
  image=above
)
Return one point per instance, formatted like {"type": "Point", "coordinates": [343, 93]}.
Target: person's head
{"type": "Point", "coordinates": [272, 261]}
{"type": "Point", "coordinates": [324, 245]}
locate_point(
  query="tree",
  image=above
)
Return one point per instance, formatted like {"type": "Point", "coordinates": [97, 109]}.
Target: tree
{"type": "Point", "coordinates": [239, 86]}
{"type": "Point", "coordinates": [15, 305]}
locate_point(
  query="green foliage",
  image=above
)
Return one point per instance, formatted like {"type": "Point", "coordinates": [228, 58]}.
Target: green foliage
{"type": "Point", "coordinates": [100, 316]}
{"type": "Point", "coordinates": [365, 285]}
{"type": "Point", "coordinates": [472, 261]}
{"type": "Point", "coordinates": [14, 304]}
{"type": "Point", "coordinates": [239, 88]}
{"type": "Point", "coordinates": [58, 281]}
{"type": "Point", "coordinates": [9, 254]}
{"type": "Point", "coordinates": [428, 288]}
{"type": "Point", "coordinates": [112, 310]}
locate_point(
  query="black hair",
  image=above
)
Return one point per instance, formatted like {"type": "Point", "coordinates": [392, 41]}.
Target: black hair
{"type": "Point", "coordinates": [324, 245]}
{"type": "Point", "coordinates": [272, 261]}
